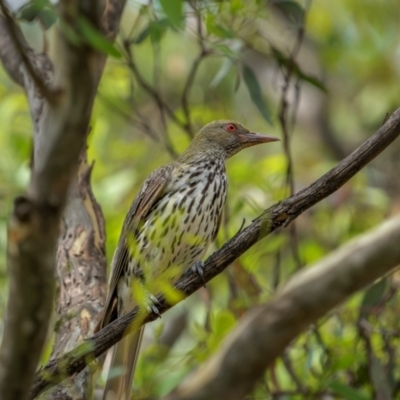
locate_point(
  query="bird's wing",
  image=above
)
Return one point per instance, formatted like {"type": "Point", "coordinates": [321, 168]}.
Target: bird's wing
{"type": "Point", "coordinates": [151, 190]}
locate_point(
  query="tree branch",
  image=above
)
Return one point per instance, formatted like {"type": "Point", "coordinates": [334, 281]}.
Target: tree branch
{"type": "Point", "coordinates": [60, 128]}
{"type": "Point", "coordinates": [81, 260]}
{"type": "Point", "coordinates": [265, 332]}
{"type": "Point", "coordinates": [276, 216]}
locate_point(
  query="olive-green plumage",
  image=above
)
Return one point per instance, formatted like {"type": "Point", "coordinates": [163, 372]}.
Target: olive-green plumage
{"type": "Point", "coordinates": [171, 222]}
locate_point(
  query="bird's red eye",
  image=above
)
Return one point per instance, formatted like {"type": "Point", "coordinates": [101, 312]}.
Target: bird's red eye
{"type": "Point", "coordinates": [231, 127]}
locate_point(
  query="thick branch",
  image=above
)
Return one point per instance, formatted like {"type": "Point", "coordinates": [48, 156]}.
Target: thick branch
{"type": "Point", "coordinates": [60, 131]}
{"type": "Point", "coordinates": [270, 220]}
{"type": "Point", "coordinates": [81, 261]}
{"type": "Point", "coordinates": [81, 273]}
{"type": "Point", "coordinates": [263, 335]}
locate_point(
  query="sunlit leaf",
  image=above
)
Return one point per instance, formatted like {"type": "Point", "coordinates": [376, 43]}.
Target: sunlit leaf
{"type": "Point", "coordinates": [255, 93]}
{"type": "Point", "coordinates": [173, 10]}
{"type": "Point", "coordinates": [223, 32]}
{"type": "Point", "coordinates": [223, 322]}
{"type": "Point", "coordinates": [236, 5]}
{"type": "Point", "coordinates": [216, 29]}
{"type": "Point", "coordinates": [96, 39]}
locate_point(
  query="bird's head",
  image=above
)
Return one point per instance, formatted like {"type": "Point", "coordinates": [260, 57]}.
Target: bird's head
{"type": "Point", "coordinates": [229, 137]}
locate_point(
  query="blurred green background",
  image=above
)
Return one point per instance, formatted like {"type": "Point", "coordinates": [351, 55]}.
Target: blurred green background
{"type": "Point", "coordinates": [344, 80]}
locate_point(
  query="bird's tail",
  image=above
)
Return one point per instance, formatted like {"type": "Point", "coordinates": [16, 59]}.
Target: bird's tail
{"type": "Point", "coordinates": [122, 367]}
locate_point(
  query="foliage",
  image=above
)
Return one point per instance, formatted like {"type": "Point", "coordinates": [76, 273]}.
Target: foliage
{"type": "Point", "coordinates": [170, 75]}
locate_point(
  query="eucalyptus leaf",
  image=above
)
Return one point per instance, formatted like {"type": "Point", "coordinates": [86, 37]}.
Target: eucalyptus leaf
{"type": "Point", "coordinates": [142, 35]}
{"type": "Point", "coordinates": [41, 10]}
{"type": "Point", "coordinates": [173, 10]}
{"type": "Point", "coordinates": [222, 72]}
{"type": "Point", "coordinates": [158, 29]}
{"type": "Point", "coordinates": [290, 63]}
{"type": "Point", "coordinates": [254, 89]}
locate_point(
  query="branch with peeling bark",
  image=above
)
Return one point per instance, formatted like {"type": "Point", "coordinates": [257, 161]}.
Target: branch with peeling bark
{"type": "Point", "coordinates": [276, 216]}
{"type": "Point", "coordinates": [60, 130]}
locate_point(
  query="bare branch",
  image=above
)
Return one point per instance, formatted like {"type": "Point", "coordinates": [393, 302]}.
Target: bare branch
{"type": "Point", "coordinates": [273, 218]}
{"type": "Point", "coordinates": [161, 104]}
{"type": "Point", "coordinates": [187, 88]}
{"type": "Point", "coordinates": [193, 70]}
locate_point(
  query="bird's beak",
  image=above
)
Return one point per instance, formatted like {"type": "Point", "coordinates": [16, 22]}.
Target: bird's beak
{"type": "Point", "coordinates": [251, 138]}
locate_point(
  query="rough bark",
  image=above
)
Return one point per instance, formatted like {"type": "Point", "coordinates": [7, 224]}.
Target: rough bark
{"type": "Point", "coordinates": [81, 283]}
{"type": "Point", "coordinates": [276, 216]}
{"type": "Point", "coordinates": [60, 96]}
{"type": "Point", "coordinates": [81, 261]}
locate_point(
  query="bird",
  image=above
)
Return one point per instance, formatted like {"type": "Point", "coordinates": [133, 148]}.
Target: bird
{"type": "Point", "coordinates": [170, 224]}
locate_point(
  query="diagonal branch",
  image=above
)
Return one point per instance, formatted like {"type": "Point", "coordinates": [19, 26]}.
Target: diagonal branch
{"type": "Point", "coordinates": [265, 332]}
{"type": "Point", "coordinates": [276, 216]}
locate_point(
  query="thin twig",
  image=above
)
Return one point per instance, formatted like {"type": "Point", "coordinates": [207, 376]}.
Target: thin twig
{"type": "Point", "coordinates": [149, 89]}
{"type": "Point", "coordinates": [192, 73]}
{"type": "Point", "coordinates": [283, 118]}
{"type": "Point", "coordinates": [186, 92]}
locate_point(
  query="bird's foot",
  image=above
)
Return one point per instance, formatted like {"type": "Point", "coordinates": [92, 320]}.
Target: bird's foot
{"type": "Point", "coordinates": [151, 305]}
{"type": "Point", "coordinates": [198, 268]}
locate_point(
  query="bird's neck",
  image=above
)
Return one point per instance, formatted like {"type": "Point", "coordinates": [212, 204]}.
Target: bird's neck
{"type": "Point", "coordinates": [200, 150]}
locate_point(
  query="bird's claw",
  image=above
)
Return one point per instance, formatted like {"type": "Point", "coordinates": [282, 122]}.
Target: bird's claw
{"type": "Point", "coordinates": [198, 268]}
{"type": "Point", "coordinates": [151, 305]}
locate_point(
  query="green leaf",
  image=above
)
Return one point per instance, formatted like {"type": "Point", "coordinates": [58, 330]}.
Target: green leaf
{"type": "Point", "coordinates": [142, 35]}
{"type": "Point", "coordinates": [32, 9]}
{"type": "Point", "coordinates": [48, 17]}
{"type": "Point", "coordinates": [346, 391]}
{"type": "Point", "coordinates": [39, 9]}
{"type": "Point", "coordinates": [96, 39]}
{"type": "Point", "coordinates": [282, 59]}
{"type": "Point", "coordinates": [225, 68]}
{"type": "Point", "coordinates": [225, 50]}
{"type": "Point", "coordinates": [173, 10]}
{"type": "Point", "coordinates": [217, 29]}
{"type": "Point", "coordinates": [157, 29]}
{"type": "Point", "coordinates": [313, 80]}
{"type": "Point", "coordinates": [255, 93]}
{"type": "Point", "coordinates": [222, 32]}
